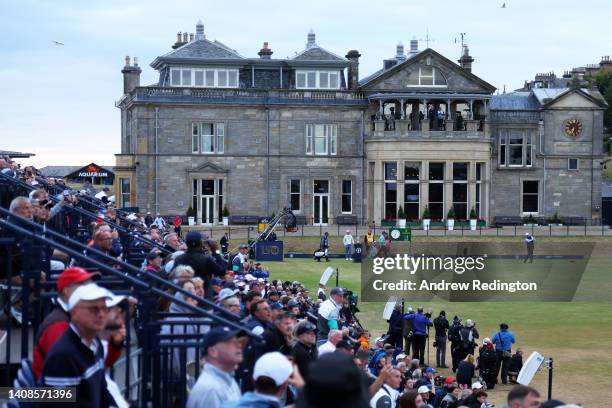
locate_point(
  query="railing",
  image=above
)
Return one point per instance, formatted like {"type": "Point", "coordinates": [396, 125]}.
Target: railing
{"type": "Point", "coordinates": [30, 240]}
{"type": "Point", "coordinates": [257, 96]}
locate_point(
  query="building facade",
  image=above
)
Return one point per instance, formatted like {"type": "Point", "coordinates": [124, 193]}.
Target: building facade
{"type": "Point", "coordinates": [256, 134]}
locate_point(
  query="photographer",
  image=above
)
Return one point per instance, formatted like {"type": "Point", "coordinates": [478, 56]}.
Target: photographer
{"type": "Point", "coordinates": [441, 326]}
{"type": "Point", "coordinates": [469, 335]}
{"type": "Point", "coordinates": [503, 341]}
{"type": "Point", "coordinates": [420, 324]}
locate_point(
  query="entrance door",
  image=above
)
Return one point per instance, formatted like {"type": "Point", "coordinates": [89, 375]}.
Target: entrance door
{"type": "Point", "coordinates": [320, 202]}
{"type": "Point", "coordinates": [206, 209]}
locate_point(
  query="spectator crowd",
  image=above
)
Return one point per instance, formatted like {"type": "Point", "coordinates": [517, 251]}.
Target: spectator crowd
{"type": "Point", "coordinates": [289, 346]}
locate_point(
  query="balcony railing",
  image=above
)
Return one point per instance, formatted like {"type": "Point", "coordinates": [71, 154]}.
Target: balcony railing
{"type": "Point", "coordinates": [402, 128]}
{"type": "Point", "coordinates": [243, 96]}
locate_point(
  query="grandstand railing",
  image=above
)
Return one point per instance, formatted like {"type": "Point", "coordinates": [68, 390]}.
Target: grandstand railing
{"type": "Point", "coordinates": [144, 370]}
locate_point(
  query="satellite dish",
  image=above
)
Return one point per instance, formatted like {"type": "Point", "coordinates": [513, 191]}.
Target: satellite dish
{"type": "Point", "coordinates": [326, 275]}
{"type": "Point", "coordinates": [530, 367]}
{"type": "Point", "coordinates": [389, 307]}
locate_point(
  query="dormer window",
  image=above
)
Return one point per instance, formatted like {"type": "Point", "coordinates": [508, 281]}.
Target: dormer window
{"type": "Point", "coordinates": [204, 77]}
{"type": "Point", "coordinates": [426, 76]}
{"type": "Point", "coordinates": [317, 79]}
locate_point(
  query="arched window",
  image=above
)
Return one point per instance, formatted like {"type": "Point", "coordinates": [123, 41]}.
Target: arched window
{"type": "Point", "coordinates": [426, 75]}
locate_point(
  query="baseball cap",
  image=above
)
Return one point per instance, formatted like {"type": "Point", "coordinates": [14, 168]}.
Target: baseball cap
{"type": "Point", "coordinates": [153, 254]}
{"type": "Point", "coordinates": [114, 300]}
{"type": "Point", "coordinates": [292, 303]}
{"type": "Point", "coordinates": [305, 327]}
{"type": "Point", "coordinates": [216, 281]}
{"type": "Point", "coordinates": [469, 323]}
{"type": "Point", "coordinates": [400, 356]}
{"type": "Point", "coordinates": [336, 291]}
{"type": "Point", "coordinates": [217, 335]}
{"type": "Point", "coordinates": [193, 238]}
{"type": "Point", "coordinates": [248, 277]}
{"type": "Point", "coordinates": [476, 386]}
{"type": "Point", "coordinates": [276, 306]}
{"type": "Point", "coordinates": [388, 346]}
{"type": "Point", "coordinates": [226, 293]}
{"type": "Point", "coordinates": [91, 291]}
{"type": "Point", "coordinates": [423, 389]}
{"type": "Point", "coordinates": [242, 246]}
{"type": "Point", "coordinates": [273, 365]}
{"type": "Point", "coordinates": [449, 380]}
{"type": "Point", "coordinates": [74, 275]}
{"type": "Point", "coordinates": [486, 340]}
{"type": "Point", "coordinates": [430, 370]}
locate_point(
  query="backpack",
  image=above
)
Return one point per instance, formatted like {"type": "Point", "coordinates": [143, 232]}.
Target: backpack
{"type": "Point", "coordinates": [466, 343]}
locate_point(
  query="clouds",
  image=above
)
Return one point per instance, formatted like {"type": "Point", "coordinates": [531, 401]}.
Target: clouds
{"type": "Point", "coordinates": [57, 99]}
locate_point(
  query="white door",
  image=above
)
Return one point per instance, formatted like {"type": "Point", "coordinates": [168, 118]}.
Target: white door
{"type": "Point", "coordinates": [320, 202]}
{"type": "Point", "coordinates": [206, 207]}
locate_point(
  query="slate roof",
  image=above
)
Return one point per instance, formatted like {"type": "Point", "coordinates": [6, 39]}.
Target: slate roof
{"type": "Point", "coordinates": [523, 100]}
{"type": "Point", "coordinates": [13, 154]}
{"type": "Point", "coordinates": [204, 49]}
{"type": "Point", "coordinates": [317, 54]}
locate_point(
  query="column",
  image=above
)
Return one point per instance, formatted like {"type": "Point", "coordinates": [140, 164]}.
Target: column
{"type": "Point", "coordinates": [471, 109]}
{"type": "Point", "coordinates": [424, 191]}
{"type": "Point", "coordinates": [378, 192]}
{"type": "Point", "coordinates": [448, 187]}
{"type": "Point", "coordinates": [400, 185]}
{"type": "Point", "coordinates": [472, 187]}
{"type": "Point", "coordinates": [380, 108]}
{"type": "Point", "coordinates": [403, 109]}
{"type": "Point", "coordinates": [448, 109]}
{"type": "Point", "coordinates": [425, 122]}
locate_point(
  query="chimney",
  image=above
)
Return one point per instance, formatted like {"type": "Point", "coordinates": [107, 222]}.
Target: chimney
{"type": "Point", "coordinates": [414, 47]}
{"type": "Point", "coordinates": [606, 63]}
{"type": "Point", "coordinates": [200, 31]}
{"type": "Point", "coordinates": [311, 40]}
{"type": "Point", "coordinates": [353, 69]}
{"type": "Point", "coordinates": [179, 40]}
{"type": "Point", "coordinates": [399, 52]}
{"type": "Point", "coordinates": [466, 60]}
{"type": "Point", "coordinates": [191, 36]}
{"type": "Point", "coordinates": [131, 75]}
{"type": "Point", "coordinates": [265, 52]}
{"type": "Point", "coordinates": [185, 37]}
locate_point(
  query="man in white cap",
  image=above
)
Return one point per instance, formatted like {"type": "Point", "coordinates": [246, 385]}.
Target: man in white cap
{"type": "Point", "coordinates": [272, 376]}
{"type": "Point", "coordinates": [77, 358]}
{"type": "Point", "coordinates": [529, 243]}
{"type": "Point", "coordinates": [348, 243]}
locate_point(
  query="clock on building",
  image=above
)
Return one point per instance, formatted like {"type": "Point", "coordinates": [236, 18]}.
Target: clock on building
{"type": "Point", "coordinates": [573, 127]}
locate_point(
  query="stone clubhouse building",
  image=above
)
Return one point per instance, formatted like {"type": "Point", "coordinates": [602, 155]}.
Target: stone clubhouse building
{"type": "Point", "coordinates": [255, 134]}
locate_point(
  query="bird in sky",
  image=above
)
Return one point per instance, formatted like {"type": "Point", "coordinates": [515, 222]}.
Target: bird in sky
{"type": "Point", "coordinates": [57, 43]}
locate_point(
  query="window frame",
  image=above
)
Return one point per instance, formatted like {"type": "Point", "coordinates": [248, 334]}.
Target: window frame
{"type": "Point", "coordinates": [217, 137]}
{"type": "Point", "coordinates": [432, 76]}
{"type": "Point", "coordinates": [349, 194]}
{"type": "Point", "coordinates": [230, 73]}
{"type": "Point", "coordinates": [527, 213]}
{"type": "Point", "coordinates": [329, 139]}
{"type": "Point", "coordinates": [123, 193]}
{"type": "Point", "coordinates": [302, 75]}
{"type": "Point", "coordinates": [569, 161]}
{"type": "Point", "coordinates": [298, 194]}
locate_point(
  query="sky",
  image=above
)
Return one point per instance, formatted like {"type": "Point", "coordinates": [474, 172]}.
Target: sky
{"type": "Point", "coordinates": [58, 101]}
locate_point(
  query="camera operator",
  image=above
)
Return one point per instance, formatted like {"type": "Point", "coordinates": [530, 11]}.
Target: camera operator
{"type": "Point", "coordinates": [420, 324]}
{"type": "Point", "coordinates": [328, 317]}
{"type": "Point", "coordinates": [441, 325]}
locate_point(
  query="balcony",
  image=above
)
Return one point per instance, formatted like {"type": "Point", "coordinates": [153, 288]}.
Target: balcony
{"type": "Point", "coordinates": [242, 96]}
{"type": "Point", "coordinates": [403, 128]}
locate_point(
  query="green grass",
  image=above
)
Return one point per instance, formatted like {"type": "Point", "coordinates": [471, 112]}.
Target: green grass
{"type": "Point", "coordinates": [578, 335]}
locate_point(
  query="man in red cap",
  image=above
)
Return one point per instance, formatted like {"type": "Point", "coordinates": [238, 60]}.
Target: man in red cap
{"type": "Point", "coordinates": [58, 321]}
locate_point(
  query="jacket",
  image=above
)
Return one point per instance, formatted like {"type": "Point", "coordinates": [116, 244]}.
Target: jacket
{"type": "Point", "coordinates": [324, 242]}
{"type": "Point", "coordinates": [420, 323]}
{"type": "Point", "coordinates": [213, 388]}
{"type": "Point", "coordinates": [254, 400]}
{"type": "Point", "coordinates": [465, 373]}
{"type": "Point", "coordinates": [205, 266]}
{"type": "Point", "coordinates": [70, 363]}
{"type": "Point", "coordinates": [303, 355]}
{"type": "Point", "coordinates": [441, 326]}
{"type": "Point", "coordinates": [503, 340]}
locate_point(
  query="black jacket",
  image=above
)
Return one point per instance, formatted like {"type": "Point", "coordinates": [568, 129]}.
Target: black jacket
{"type": "Point", "coordinates": [441, 326]}
{"type": "Point", "coordinates": [303, 355]}
{"type": "Point", "coordinates": [487, 361]}
{"type": "Point", "coordinates": [465, 373]}
{"type": "Point", "coordinates": [205, 266]}
{"type": "Point", "coordinates": [70, 363]}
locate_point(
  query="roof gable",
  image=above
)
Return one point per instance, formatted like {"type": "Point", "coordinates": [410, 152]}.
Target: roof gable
{"type": "Point", "coordinates": [317, 53]}
{"type": "Point", "coordinates": [201, 49]}
{"type": "Point", "coordinates": [396, 77]}
{"type": "Point", "coordinates": [575, 98]}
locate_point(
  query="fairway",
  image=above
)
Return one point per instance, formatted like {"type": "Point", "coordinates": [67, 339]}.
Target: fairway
{"type": "Point", "coordinates": [576, 335]}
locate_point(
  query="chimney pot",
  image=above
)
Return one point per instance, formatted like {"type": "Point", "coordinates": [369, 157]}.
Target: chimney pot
{"type": "Point", "coordinates": [191, 37]}
{"type": "Point", "coordinates": [265, 52]}
{"type": "Point", "coordinates": [127, 60]}
{"type": "Point", "coordinates": [135, 61]}
{"type": "Point", "coordinates": [185, 37]}
{"type": "Point", "coordinates": [178, 37]}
